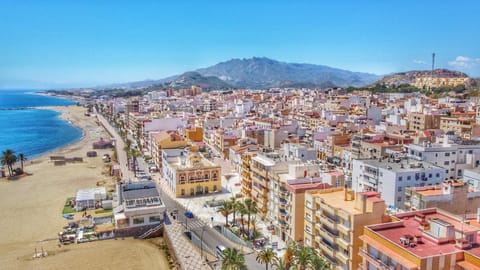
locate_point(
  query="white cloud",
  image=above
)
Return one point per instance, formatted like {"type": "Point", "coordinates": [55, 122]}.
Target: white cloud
{"type": "Point", "coordinates": [464, 62]}
{"type": "Point", "coordinates": [420, 62]}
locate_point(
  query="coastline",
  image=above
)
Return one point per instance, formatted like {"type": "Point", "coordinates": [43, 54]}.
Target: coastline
{"type": "Point", "coordinates": [32, 209]}
{"type": "Point", "coordinates": [65, 116]}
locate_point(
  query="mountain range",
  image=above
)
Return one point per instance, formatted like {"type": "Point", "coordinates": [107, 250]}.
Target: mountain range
{"type": "Point", "coordinates": [259, 73]}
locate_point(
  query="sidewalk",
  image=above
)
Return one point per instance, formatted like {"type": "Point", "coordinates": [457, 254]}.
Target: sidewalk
{"type": "Point", "coordinates": [185, 252]}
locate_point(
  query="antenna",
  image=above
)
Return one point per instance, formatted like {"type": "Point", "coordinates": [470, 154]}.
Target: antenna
{"type": "Point", "coordinates": [433, 63]}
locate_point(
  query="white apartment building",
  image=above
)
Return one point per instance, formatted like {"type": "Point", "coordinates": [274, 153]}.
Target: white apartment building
{"type": "Point", "coordinates": [392, 178]}
{"type": "Point", "coordinates": [454, 158]}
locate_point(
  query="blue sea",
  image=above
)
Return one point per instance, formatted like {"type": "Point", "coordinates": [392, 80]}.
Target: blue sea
{"type": "Point", "coordinates": [32, 131]}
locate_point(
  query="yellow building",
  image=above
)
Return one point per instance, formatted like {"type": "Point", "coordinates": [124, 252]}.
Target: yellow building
{"type": "Point", "coordinates": [246, 173]}
{"type": "Point", "coordinates": [427, 82]}
{"type": "Point", "coordinates": [334, 219]}
{"type": "Point", "coordinates": [195, 134]}
{"type": "Point", "coordinates": [189, 174]}
{"type": "Point", "coordinates": [164, 140]}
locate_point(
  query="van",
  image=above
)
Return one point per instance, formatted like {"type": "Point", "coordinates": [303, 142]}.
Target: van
{"type": "Point", "coordinates": [219, 252]}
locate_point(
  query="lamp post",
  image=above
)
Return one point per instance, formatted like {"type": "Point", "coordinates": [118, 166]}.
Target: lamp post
{"type": "Point", "coordinates": [201, 244]}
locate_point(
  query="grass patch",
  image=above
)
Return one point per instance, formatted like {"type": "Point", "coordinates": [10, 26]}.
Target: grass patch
{"type": "Point", "coordinates": [67, 209]}
{"type": "Point", "coordinates": [101, 211]}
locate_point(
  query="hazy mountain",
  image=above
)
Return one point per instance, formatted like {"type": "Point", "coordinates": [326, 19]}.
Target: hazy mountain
{"type": "Point", "coordinates": [187, 79]}
{"type": "Point", "coordinates": [261, 72]}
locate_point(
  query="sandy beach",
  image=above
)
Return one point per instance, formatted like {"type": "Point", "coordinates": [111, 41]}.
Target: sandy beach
{"type": "Point", "coordinates": [31, 211]}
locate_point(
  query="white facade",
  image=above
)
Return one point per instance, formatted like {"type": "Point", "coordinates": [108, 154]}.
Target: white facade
{"type": "Point", "coordinates": [160, 124]}
{"type": "Point", "coordinates": [392, 178]}
{"type": "Point", "coordinates": [454, 158]}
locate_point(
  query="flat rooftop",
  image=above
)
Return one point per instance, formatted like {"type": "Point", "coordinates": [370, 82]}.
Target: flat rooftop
{"type": "Point", "coordinates": [402, 166]}
{"type": "Point", "coordinates": [409, 225]}
{"type": "Point", "coordinates": [336, 199]}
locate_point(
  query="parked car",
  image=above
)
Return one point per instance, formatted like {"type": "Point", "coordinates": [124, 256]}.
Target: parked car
{"type": "Point", "coordinates": [189, 214]}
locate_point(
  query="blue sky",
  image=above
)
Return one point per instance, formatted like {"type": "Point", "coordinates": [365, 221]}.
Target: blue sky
{"type": "Point", "coordinates": [80, 43]}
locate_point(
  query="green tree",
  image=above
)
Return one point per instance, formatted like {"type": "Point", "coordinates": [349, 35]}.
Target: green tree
{"type": "Point", "coordinates": [8, 159]}
{"type": "Point", "coordinates": [266, 257]}
{"type": "Point", "coordinates": [317, 263]}
{"type": "Point", "coordinates": [134, 154]}
{"type": "Point", "coordinates": [243, 211]}
{"type": "Point", "coordinates": [234, 204]}
{"type": "Point", "coordinates": [280, 264]}
{"type": "Point", "coordinates": [22, 159]}
{"type": "Point", "coordinates": [225, 210]}
{"type": "Point", "coordinates": [251, 207]}
{"type": "Point", "coordinates": [234, 260]}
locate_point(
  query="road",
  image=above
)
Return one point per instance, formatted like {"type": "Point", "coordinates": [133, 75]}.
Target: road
{"type": "Point", "coordinates": [119, 145]}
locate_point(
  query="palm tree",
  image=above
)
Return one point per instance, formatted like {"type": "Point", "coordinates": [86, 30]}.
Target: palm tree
{"type": "Point", "coordinates": [134, 153]}
{"type": "Point", "coordinates": [9, 159]}
{"type": "Point", "coordinates": [234, 260]}
{"type": "Point", "coordinates": [317, 263]}
{"type": "Point", "coordinates": [280, 264]}
{"type": "Point", "coordinates": [251, 210]}
{"type": "Point", "coordinates": [225, 210]}
{"type": "Point", "coordinates": [242, 210]}
{"type": "Point", "coordinates": [288, 257]}
{"type": "Point", "coordinates": [234, 204]}
{"type": "Point", "coordinates": [302, 257]}
{"type": "Point", "coordinates": [266, 257]}
{"type": "Point", "coordinates": [22, 158]}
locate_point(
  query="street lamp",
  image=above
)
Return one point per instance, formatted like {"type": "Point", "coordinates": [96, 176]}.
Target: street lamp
{"type": "Point", "coordinates": [201, 244]}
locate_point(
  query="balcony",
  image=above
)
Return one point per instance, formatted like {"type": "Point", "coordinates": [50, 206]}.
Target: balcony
{"type": "Point", "coordinates": [327, 208]}
{"type": "Point", "coordinates": [283, 202]}
{"type": "Point", "coordinates": [343, 243]}
{"type": "Point", "coordinates": [259, 171]}
{"type": "Point", "coordinates": [325, 234]}
{"type": "Point", "coordinates": [373, 260]}
{"type": "Point", "coordinates": [328, 250]}
{"type": "Point", "coordinates": [328, 221]}
{"type": "Point", "coordinates": [344, 229]}
{"type": "Point", "coordinates": [342, 257]}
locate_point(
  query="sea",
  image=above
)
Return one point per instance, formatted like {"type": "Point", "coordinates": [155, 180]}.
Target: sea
{"type": "Point", "coordinates": [27, 129]}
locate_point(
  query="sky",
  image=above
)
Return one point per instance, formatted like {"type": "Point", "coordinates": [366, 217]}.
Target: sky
{"type": "Point", "coordinates": [59, 44]}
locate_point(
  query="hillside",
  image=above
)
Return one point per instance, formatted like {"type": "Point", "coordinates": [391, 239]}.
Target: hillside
{"type": "Point", "coordinates": [409, 77]}
{"type": "Point", "coordinates": [261, 72]}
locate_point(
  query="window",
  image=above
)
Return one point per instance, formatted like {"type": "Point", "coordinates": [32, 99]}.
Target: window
{"type": "Point", "coordinates": [399, 198]}
{"type": "Point", "coordinates": [409, 177]}
{"type": "Point", "coordinates": [429, 175]}
{"type": "Point", "coordinates": [399, 189]}
{"type": "Point", "coordinates": [138, 220]}
{"type": "Point", "coordinates": [153, 219]}
{"type": "Point", "coordinates": [437, 175]}
{"type": "Point", "coordinates": [400, 178]}
{"type": "Point", "coordinates": [447, 154]}
{"type": "Point", "coordinates": [446, 163]}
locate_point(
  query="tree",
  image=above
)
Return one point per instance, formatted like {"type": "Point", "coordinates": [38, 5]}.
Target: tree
{"type": "Point", "coordinates": [317, 263]}
{"type": "Point", "coordinates": [234, 203]}
{"type": "Point", "coordinates": [134, 154]}
{"type": "Point", "coordinates": [251, 210]}
{"type": "Point", "coordinates": [280, 264]}
{"type": "Point", "coordinates": [225, 210]}
{"type": "Point", "coordinates": [22, 159]}
{"type": "Point", "coordinates": [9, 159]}
{"type": "Point", "coordinates": [266, 257]}
{"type": "Point", "coordinates": [242, 210]}
{"type": "Point", "coordinates": [303, 257]}
{"type": "Point", "coordinates": [290, 251]}
{"type": "Point", "coordinates": [234, 260]}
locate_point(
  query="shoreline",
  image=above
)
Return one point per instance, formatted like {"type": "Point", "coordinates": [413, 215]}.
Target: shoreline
{"type": "Point", "coordinates": [32, 207]}
{"type": "Point", "coordinates": [63, 110]}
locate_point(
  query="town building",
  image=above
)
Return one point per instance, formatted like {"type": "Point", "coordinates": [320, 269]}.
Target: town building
{"type": "Point", "coordinates": [426, 239]}
{"type": "Point", "coordinates": [391, 177]}
{"type": "Point", "coordinates": [334, 219]}
{"type": "Point", "coordinates": [189, 174]}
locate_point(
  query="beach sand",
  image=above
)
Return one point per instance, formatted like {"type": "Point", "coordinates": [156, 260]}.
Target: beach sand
{"type": "Point", "coordinates": [31, 211]}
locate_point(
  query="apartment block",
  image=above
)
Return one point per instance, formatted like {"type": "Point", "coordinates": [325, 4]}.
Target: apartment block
{"type": "Point", "coordinates": [455, 197]}
{"type": "Point", "coordinates": [428, 239]}
{"type": "Point", "coordinates": [391, 177]}
{"type": "Point", "coordinates": [334, 219]}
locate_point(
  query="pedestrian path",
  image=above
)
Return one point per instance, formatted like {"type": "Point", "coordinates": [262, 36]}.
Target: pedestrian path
{"type": "Point", "coordinates": [186, 253]}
